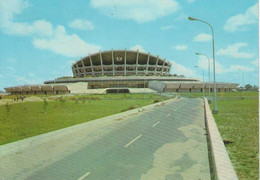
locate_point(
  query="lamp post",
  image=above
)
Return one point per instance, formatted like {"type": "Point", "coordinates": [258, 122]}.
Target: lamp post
{"type": "Point", "coordinates": [243, 84]}
{"type": "Point", "coordinates": [203, 78]}
{"type": "Point", "coordinates": [199, 54]}
{"type": "Point", "coordinates": [215, 111]}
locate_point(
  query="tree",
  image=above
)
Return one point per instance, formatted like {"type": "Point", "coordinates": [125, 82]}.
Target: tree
{"type": "Point", "coordinates": [248, 86]}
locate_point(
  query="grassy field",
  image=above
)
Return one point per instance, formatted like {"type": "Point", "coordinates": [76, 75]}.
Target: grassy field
{"type": "Point", "coordinates": [23, 120]}
{"type": "Point", "coordinates": [237, 122]}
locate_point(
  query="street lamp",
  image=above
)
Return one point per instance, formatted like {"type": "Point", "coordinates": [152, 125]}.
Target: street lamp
{"type": "Point", "coordinates": [215, 111]}
{"type": "Point", "coordinates": [199, 54]}
{"type": "Point", "coordinates": [243, 84]}
{"type": "Point", "coordinates": [203, 78]}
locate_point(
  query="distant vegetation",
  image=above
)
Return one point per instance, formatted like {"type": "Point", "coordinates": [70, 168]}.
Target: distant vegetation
{"type": "Point", "coordinates": [64, 77]}
{"type": "Point", "coordinates": [248, 87]}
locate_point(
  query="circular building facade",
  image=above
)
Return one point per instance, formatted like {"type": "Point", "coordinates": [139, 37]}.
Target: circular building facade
{"type": "Point", "coordinates": [121, 63]}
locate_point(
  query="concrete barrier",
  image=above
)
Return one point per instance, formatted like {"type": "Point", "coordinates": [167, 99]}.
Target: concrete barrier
{"type": "Point", "coordinates": [186, 85]}
{"type": "Point", "coordinates": [60, 89]}
{"type": "Point", "coordinates": [36, 89]}
{"type": "Point", "coordinates": [10, 90]}
{"type": "Point", "coordinates": [220, 162]}
{"type": "Point", "coordinates": [26, 90]}
{"type": "Point", "coordinates": [157, 85]}
{"type": "Point", "coordinates": [47, 89]}
{"type": "Point", "coordinates": [198, 87]}
{"type": "Point", "coordinates": [172, 86]}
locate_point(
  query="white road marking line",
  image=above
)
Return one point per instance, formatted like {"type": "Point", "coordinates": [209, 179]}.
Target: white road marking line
{"type": "Point", "coordinates": [178, 107]}
{"type": "Point", "coordinates": [133, 141]}
{"type": "Point", "coordinates": [168, 114]}
{"type": "Point", "coordinates": [156, 123]}
{"type": "Point", "coordinates": [85, 175]}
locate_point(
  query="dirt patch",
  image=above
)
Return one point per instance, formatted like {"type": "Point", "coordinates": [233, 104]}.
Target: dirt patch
{"type": "Point", "coordinates": [27, 99]}
{"type": "Point", "coordinates": [130, 108]}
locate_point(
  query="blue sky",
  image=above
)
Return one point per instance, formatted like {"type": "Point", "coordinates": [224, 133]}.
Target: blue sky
{"type": "Point", "coordinates": [39, 40]}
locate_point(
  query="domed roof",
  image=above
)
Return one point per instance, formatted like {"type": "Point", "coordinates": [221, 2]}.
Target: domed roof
{"type": "Point", "coordinates": [120, 62]}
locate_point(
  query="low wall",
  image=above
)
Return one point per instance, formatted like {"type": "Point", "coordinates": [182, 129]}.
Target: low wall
{"type": "Point", "coordinates": [196, 90]}
{"type": "Point", "coordinates": [184, 90]}
{"type": "Point", "coordinates": [157, 86]}
{"type": "Point", "coordinates": [220, 162]}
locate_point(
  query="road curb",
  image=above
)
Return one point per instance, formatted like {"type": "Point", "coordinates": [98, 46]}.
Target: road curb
{"type": "Point", "coordinates": [220, 161]}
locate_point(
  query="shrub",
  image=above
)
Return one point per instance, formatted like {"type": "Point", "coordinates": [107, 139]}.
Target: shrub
{"type": "Point", "coordinates": [83, 100]}
{"type": "Point", "coordinates": [45, 104]}
{"type": "Point", "coordinates": [62, 101]}
{"type": "Point", "coordinates": [156, 101]}
{"type": "Point", "coordinates": [130, 108]}
{"type": "Point", "coordinates": [7, 108]}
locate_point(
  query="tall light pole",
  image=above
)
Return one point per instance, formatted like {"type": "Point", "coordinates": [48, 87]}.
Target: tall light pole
{"type": "Point", "coordinates": [243, 84]}
{"type": "Point", "coordinates": [199, 54]}
{"type": "Point", "coordinates": [203, 78]}
{"type": "Point", "coordinates": [215, 111]}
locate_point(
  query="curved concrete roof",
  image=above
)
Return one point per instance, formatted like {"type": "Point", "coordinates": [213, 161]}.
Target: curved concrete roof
{"type": "Point", "coordinates": [60, 87]}
{"type": "Point", "coordinates": [187, 85]}
{"type": "Point", "coordinates": [10, 89]}
{"type": "Point", "coordinates": [198, 85]}
{"type": "Point", "coordinates": [120, 62]}
{"type": "Point", "coordinates": [36, 88]}
{"type": "Point", "coordinates": [47, 87]}
{"type": "Point", "coordinates": [26, 88]}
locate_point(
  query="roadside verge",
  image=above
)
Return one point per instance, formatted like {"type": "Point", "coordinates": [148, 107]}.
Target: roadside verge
{"type": "Point", "coordinates": [220, 161]}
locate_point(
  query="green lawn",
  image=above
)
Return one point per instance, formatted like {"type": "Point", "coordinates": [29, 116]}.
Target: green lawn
{"type": "Point", "coordinates": [237, 122]}
{"type": "Point", "coordinates": [22, 120]}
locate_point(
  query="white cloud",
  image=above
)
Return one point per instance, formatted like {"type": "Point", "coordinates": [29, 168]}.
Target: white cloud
{"type": "Point", "coordinates": [167, 27]}
{"type": "Point", "coordinates": [8, 9]}
{"type": "Point", "coordinates": [182, 16]}
{"type": "Point", "coordinates": [10, 69]}
{"type": "Point", "coordinates": [81, 24]}
{"type": "Point", "coordinates": [233, 51]}
{"type": "Point", "coordinates": [68, 65]}
{"type": "Point", "coordinates": [255, 62]}
{"type": "Point", "coordinates": [137, 10]}
{"type": "Point", "coordinates": [203, 37]}
{"type": "Point", "coordinates": [137, 47]}
{"type": "Point", "coordinates": [203, 63]}
{"type": "Point", "coordinates": [68, 45]}
{"type": "Point", "coordinates": [239, 21]}
{"type": "Point", "coordinates": [234, 68]}
{"type": "Point", "coordinates": [44, 35]}
{"type": "Point", "coordinates": [181, 47]}
{"type": "Point", "coordinates": [182, 70]}
{"type": "Point", "coordinates": [23, 80]}
{"type": "Point", "coordinates": [37, 28]}
{"type": "Point", "coordinates": [220, 69]}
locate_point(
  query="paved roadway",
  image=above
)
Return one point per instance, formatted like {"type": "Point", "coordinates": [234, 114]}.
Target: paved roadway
{"type": "Point", "coordinates": [164, 143]}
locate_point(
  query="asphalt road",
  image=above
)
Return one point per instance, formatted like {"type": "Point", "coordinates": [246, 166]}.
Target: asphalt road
{"type": "Point", "coordinates": [167, 142]}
